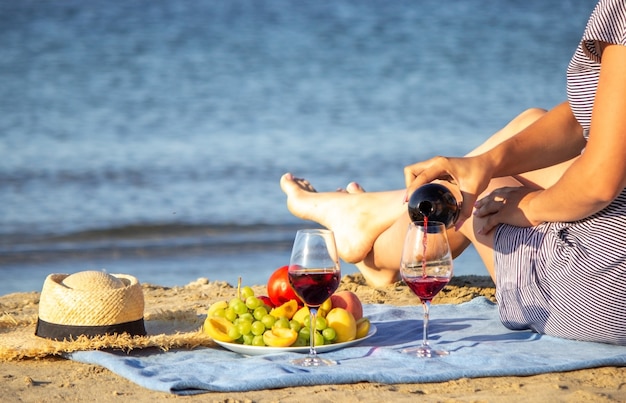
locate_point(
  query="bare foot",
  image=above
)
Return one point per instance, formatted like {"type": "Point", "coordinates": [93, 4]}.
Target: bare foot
{"type": "Point", "coordinates": [357, 219]}
{"type": "Point", "coordinates": [354, 188]}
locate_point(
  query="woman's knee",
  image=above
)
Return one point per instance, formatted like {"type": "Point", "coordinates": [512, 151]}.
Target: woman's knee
{"type": "Point", "coordinates": [528, 117]}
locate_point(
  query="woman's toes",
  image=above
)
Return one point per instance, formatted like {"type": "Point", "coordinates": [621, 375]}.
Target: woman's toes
{"type": "Point", "coordinates": [354, 187]}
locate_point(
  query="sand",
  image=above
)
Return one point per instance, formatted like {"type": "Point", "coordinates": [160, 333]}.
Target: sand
{"type": "Point", "coordinates": [56, 379]}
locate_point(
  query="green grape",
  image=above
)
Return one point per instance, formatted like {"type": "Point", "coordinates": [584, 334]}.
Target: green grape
{"type": "Point", "coordinates": [258, 341]}
{"type": "Point", "coordinates": [329, 334]}
{"type": "Point", "coordinates": [230, 314]}
{"type": "Point", "coordinates": [253, 302]}
{"type": "Point", "coordinates": [282, 323]}
{"type": "Point", "coordinates": [244, 327]}
{"type": "Point", "coordinates": [259, 312]}
{"type": "Point", "coordinates": [268, 320]}
{"type": "Point", "coordinates": [246, 316]}
{"type": "Point", "coordinates": [238, 306]}
{"type": "Point", "coordinates": [233, 301]}
{"type": "Point", "coordinates": [247, 339]}
{"type": "Point", "coordinates": [233, 332]}
{"type": "Point", "coordinates": [320, 323]}
{"type": "Point", "coordinates": [301, 342]}
{"type": "Point", "coordinates": [319, 339]}
{"type": "Point", "coordinates": [304, 333]}
{"type": "Point", "coordinates": [258, 328]}
{"type": "Point", "coordinates": [295, 325]}
{"type": "Point", "coordinates": [246, 292]}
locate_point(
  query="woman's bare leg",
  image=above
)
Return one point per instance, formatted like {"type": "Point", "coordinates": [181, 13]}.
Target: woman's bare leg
{"type": "Point", "coordinates": [370, 227]}
{"type": "Point", "coordinates": [356, 219]}
{"type": "Point", "coordinates": [539, 179]}
{"type": "Point", "coordinates": [385, 254]}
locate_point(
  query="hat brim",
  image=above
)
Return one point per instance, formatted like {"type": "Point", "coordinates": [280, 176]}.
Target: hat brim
{"type": "Point", "coordinates": [165, 330]}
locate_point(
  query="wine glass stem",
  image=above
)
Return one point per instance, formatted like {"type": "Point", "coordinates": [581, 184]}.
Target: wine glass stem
{"type": "Point", "coordinates": [426, 306]}
{"type": "Point", "coordinates": [313, 319]}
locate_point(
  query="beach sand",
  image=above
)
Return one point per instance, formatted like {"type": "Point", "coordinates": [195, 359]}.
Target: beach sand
{"type": "Point", "coordinates": [56, 379]}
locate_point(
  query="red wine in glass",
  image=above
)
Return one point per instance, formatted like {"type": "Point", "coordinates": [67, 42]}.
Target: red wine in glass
{"type": "Point", "coordinates": [426, 267]}
{"type": "Point", "coordinates": [314, 274]}
{"type": "Point", "coordinates": [314, 286]}
{"type": "Point", "coordinates": [426, 287]}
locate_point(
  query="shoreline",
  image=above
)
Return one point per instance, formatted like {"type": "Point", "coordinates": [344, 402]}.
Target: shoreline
{"type": "Point", "coordinates": [54, 378]}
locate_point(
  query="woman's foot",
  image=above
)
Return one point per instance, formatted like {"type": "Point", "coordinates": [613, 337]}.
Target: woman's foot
{"type": "Point", "coordinates": [357, 219]}
{"type": "Point", "coordinates": [354, 188]}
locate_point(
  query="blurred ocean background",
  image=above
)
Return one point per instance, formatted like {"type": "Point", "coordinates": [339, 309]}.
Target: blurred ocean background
{"type": "Point", "coordinates": [147, 137]}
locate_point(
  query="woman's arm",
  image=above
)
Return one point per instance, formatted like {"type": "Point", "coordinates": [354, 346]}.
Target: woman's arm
{"type": "Point", "coordinates": [599, 175]}
{"type": "Point", "coordinates": [594, 179]}
{"type": "Point", "coordinates": [553, 138]}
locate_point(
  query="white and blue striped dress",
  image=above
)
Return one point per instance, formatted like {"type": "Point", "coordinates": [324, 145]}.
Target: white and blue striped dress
{"type": "Point", "coordinates": [568, 279]}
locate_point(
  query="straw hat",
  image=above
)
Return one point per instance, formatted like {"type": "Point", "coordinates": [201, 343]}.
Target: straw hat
{"type": "Point", "coordinates": [93, 310]}
{"type": "Point", "coordinates": [90, 303]}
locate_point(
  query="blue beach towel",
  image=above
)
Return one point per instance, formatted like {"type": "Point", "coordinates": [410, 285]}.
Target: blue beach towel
{"type": "Point", "coordinates": [479, 345]}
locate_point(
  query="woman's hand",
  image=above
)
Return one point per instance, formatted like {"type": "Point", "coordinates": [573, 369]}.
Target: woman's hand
{"type": "Point", "coordinates": [470, 174]}
{"type": "Point", "coordinates": [503, 206]}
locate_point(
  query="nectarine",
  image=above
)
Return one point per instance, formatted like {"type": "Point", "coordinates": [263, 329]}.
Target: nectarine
{"type": "Point", "coordinates": [348, 301]}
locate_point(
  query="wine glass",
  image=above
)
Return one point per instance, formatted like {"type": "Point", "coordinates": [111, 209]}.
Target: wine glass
{"type": "Point", "coordinates": [314, 275]}
{"type": "Point", "coordinates": [426, 267]}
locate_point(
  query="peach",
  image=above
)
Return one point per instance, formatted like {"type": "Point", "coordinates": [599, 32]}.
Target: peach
{"type": "Point", "coordinates": [348, 301]}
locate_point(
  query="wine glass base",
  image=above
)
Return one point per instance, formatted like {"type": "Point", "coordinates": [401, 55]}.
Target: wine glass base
{"type": "Point", "coordinates": [313, 362]}
{"type": "Point", "coordinates": [425, 352]}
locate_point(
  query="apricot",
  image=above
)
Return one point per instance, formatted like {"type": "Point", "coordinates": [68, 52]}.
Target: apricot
{"type": "Point", "coordinates": [218, 328]}
{"type": "Point", "coordinates": [344, 324]}
{"type": "Point", "coordinates": [302, 315]}
{"type": "Point", "coordinates": [362, 327]}
{"type": "Point", "coordinates": [280, 337]}
{"type": "Point", "coordinates": [325, 308]}
{"type": "Point", "coordinates": [348, 301]}
{"type": "Point", "coordinates": [286, 310]}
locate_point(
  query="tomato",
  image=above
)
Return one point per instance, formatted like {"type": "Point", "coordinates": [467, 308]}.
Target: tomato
{"type": "Point", "coordinates": [279, 289]}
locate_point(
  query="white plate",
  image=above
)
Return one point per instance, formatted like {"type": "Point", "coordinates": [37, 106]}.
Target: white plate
{"type": "Point", "coordinates": [256, 350]}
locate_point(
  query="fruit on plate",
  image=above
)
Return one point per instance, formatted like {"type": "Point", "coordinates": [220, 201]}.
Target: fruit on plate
{"type": "Point", "coordinates": [348, 301]}
{"type": "Point", "coordinates": [286, 310]}
{"type": "Point", "coordinates": [247, 319]}
{"type": "Point", "coordinates": [325, 308]}
{"type": "Point", "coordinates": [280, 337]}
{"type": "Point", "coordinates": [302, 315]}
{"type": "Point", "coordinates": [216, 308]}
{"type": "Point", "coordinates": [218, 328]}
{"type": "Point", "coordinates": [279, 289]}
{"type": "Point", "coordinates": [258, 321]}
{"type": "Point", "coordinates": [266, 300]}
{"type": "Point", "coordinates": [344, 324]}
{"type": "Point", "coordinates": [362, 327]}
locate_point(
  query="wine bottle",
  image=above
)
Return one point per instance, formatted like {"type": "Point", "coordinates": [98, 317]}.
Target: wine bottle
{"type": "Point", "coordinates": [434, 202]}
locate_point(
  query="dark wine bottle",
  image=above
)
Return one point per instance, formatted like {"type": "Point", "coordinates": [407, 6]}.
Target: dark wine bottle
{"type": "Point", "coordinates": [435, 202]}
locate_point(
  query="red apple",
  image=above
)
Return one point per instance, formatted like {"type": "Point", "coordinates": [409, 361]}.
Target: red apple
{"type": "Point", "coordinates": [266, 300]}
{"type": "Point", "coordinates": [348, 301]}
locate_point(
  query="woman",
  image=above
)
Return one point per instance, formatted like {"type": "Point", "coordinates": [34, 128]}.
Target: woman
{"type": "Point", "coordinates": [543, 202]}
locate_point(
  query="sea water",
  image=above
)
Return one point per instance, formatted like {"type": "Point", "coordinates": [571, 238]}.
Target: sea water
{"type": "Point", "coordinates": [147, 137]}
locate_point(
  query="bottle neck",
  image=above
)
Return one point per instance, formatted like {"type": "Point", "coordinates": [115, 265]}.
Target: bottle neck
{"type": "Point", "coordinates": [425, 207]}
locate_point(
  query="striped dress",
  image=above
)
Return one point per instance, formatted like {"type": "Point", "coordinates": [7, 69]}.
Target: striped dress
{"type": "Point", "coordinates": [568, 279]}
